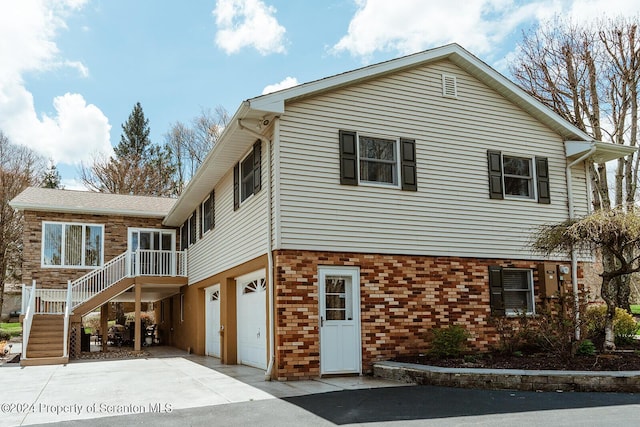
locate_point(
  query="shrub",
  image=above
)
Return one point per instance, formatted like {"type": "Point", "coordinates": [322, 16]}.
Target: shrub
{"type": "Point", "coordinates": [4, 336]}
{"type": "Point", "coordinates": [624, 326]}
{"type": "Point", "coordinates": [586, 348]}
{"type": "Point", "coordinates": [449, 342]}
{"type": "Point", "coordinates": [551, 330]}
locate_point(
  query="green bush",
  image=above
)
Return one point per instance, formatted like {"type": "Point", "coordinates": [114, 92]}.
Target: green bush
{"type": "Point", "coordinates": [586, 348]}
{"type": "Point", "coordinates": [449, 342]}
{"type": "Point", "coordinates": [4, 336]}
{"type": "Point", "coordinates": [624, 325]}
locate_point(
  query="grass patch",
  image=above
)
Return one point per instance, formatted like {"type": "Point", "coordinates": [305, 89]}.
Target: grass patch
{"type": "Point", "coordinates": [635, 309]}
{"type": "Point", "coordinates": [13, 329]}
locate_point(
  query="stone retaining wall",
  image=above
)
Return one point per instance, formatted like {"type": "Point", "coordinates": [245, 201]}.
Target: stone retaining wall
{"type": "Point", "coordinates": [510, 379]}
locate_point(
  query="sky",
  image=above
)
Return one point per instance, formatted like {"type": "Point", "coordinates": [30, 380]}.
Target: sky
{"type": "Point", "coordinates": [72, 70]}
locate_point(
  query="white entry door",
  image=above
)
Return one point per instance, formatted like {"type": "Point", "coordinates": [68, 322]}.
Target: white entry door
{"type": "Point", "coordinates": [212, 319]}
{"type": "Point", "coordinates": [339, 294]}
{"type": "Point", "coordinates": [252, 319]}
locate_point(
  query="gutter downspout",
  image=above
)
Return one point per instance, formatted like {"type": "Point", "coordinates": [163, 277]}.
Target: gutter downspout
{"type": "Point", "coordinates": [574, 257]}
{"type": "Point", "coordinates": [267, 374]}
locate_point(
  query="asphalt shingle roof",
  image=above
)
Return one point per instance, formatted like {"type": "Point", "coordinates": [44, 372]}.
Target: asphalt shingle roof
{"type": "Point", "coordinates": [54, 200]}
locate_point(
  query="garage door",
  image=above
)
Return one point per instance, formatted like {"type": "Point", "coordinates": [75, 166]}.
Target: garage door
{"type": "Point", "coordinates": [212, 320]}
{"type": "Point", "coordinates": [252, 319]}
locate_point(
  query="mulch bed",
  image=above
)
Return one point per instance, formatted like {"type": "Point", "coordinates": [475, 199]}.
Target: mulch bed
{"type": "Point", "coordinates": [626, 358]}
{"type": "Point", "coordinates": [122, 353]}
{"type": "Point", "coordinates": [619, 361]}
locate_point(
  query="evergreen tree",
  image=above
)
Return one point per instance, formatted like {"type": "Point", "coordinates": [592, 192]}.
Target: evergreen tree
{"type": "Point", "coordinates": [51, 177]}
{"type": "Point", "coordinates": [134, 141]}
{"type": "Point", "coordinates": [138, 167]}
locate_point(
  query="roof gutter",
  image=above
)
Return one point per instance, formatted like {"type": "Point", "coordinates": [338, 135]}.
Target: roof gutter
{"type": "Point", "coordinates": [272, 311]}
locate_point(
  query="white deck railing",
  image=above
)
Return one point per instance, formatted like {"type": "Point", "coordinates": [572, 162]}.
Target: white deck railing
{"type": "Point", "coordinates": [28, 315]}
{"type": "Point", "coordinates": [128, 264]}
{"type": "Point", "coordinates": [98, 280]}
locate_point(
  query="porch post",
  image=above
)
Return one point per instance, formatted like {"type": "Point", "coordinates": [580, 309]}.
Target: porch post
{"type": "Point", "coordinates": [104, 324]}
{"type": "Point", "coordinates": [138, 326]}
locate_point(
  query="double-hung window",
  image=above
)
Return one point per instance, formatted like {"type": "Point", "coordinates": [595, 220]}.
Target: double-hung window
{"type": "Point", "coordinates": [247, 175]}
{"type": "Point", "coordinates": [511, 290]}
{"type": "Point", "coordinates": [72, 245]}
{"type": "Point", "coordinates": [188, 232]}
{"type": "Point", "coordinates": [207, 214]}
{"type": "Point", "coordinates": [377, 160]}
{"type": "Point", "coordinates": [518, 177]}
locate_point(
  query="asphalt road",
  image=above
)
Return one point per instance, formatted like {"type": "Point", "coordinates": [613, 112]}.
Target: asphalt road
{"type": "Point", "coordinates": [417, 405]}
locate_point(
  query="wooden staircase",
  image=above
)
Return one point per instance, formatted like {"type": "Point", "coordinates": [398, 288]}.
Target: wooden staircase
{"type": "Point", "coordinates": [46, 341]}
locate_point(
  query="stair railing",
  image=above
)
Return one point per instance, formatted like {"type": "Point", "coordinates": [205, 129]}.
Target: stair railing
{"type": "Point", "coordinates": [67, 314]}
{"type": "Point", "coordinates": [28, 319]}
{"type": "Point", "coordinates": [99, 279]}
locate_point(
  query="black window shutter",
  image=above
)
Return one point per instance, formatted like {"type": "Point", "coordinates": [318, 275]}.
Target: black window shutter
{"type": "Point", "coordinates": [496, 297]}
{"type": "Point", "coordinates": [408, 156]}
{"type": "Point", "coordinates": [348, 158]}
{"type": "Point", "coordinates": [202, 214]}
{"type": "Point", "coordinates": [257, 166]}
{"type": "Point", "coordinates": [495, 174]}
{"type": "Point", "coordinates": [213, 209]}
{"type": "Point", "coordinates": [542, 178]}
{"type": "Point", "coordinates": [236, 187]}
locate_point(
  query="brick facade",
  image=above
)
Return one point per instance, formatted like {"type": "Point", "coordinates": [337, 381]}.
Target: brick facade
{"type": "Point", "coordinates": [401, 299]}
{"type": "Point", "coordinates": [115, 243]}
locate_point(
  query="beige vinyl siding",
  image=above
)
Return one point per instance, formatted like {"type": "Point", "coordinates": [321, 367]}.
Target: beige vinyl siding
{"type": "Point", "coordinates": [451, 213]}
{"type": "Point", "coordinates": [238, 236]}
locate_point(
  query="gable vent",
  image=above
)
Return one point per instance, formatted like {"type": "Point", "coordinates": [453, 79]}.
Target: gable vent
{"type": "Point", "coordinates": [449, 86]}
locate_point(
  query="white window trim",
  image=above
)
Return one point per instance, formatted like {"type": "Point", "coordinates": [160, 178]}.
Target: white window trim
{"type": "Point", "coordinates": [530, 293]}
{"type": "Point", "coordinates": [534, 179]}
{"type": "Point", "coordinates": [62, 249]}
{"type": "Point", "coordinates": [396, 140]}
{"type": "Point", "coordinates": [250, 152]}
{"type": "Point", "coordinates": [131, 230]}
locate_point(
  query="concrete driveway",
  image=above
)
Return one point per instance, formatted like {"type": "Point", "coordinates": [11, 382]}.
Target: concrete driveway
{"type": "Point", "coordinates": [168, 381]}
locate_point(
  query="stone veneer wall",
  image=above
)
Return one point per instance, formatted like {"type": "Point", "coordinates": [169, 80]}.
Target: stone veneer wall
{"type": "Point", "coordinates": [115, 243]}
{"type": "Point", "coordinates": [402, 298]}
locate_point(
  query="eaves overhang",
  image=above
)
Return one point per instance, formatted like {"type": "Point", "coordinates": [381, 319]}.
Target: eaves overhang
{"type": "Point", "coordinates": [602, 151]}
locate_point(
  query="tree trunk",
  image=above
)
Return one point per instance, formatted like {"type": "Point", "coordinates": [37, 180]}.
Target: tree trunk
{"type": "Point", "coordinates": [623, 284]}
{"type": "Point", "coordinates": [609, 293]}
{"type": "Point", "coordinates": [609, 296]}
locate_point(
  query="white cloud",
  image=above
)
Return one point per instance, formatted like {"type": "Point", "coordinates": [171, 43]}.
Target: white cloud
{"type": "Point", "coordinates": [284, 84]}
{"type": "Point", "coordinates": [382, 25]}
{"type": "Point", "coordinates": [27, 44]}
{"type": "Point", "coordinates": [248, 23]}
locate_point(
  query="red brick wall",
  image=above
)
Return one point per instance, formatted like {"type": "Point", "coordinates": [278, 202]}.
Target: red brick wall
{"type": "Point", "coordinates": [402, 298]}
{"type": "Point", "coordinates": [115, 243]}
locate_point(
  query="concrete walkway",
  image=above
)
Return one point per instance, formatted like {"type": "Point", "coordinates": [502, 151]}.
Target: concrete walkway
{"type": "Point", "coordinates": [167, 381]}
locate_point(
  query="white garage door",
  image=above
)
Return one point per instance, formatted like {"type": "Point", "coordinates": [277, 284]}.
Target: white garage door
{"type": "Point", "coordinates": [252, 319]}
{"type": "Point", "coordinates": [212, 328]}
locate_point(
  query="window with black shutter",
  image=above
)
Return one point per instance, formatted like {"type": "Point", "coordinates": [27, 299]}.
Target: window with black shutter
{"type": "Point", "coordinates": [511, 291]}
{"type": "Point", "coordinates": [207, 214]}
{"type": "Point", "coordinates": [247, 176]}
{"type": "Point", "coordinates": [518, 177]}
{"type": "Point", "coordinates": [377, 160]}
